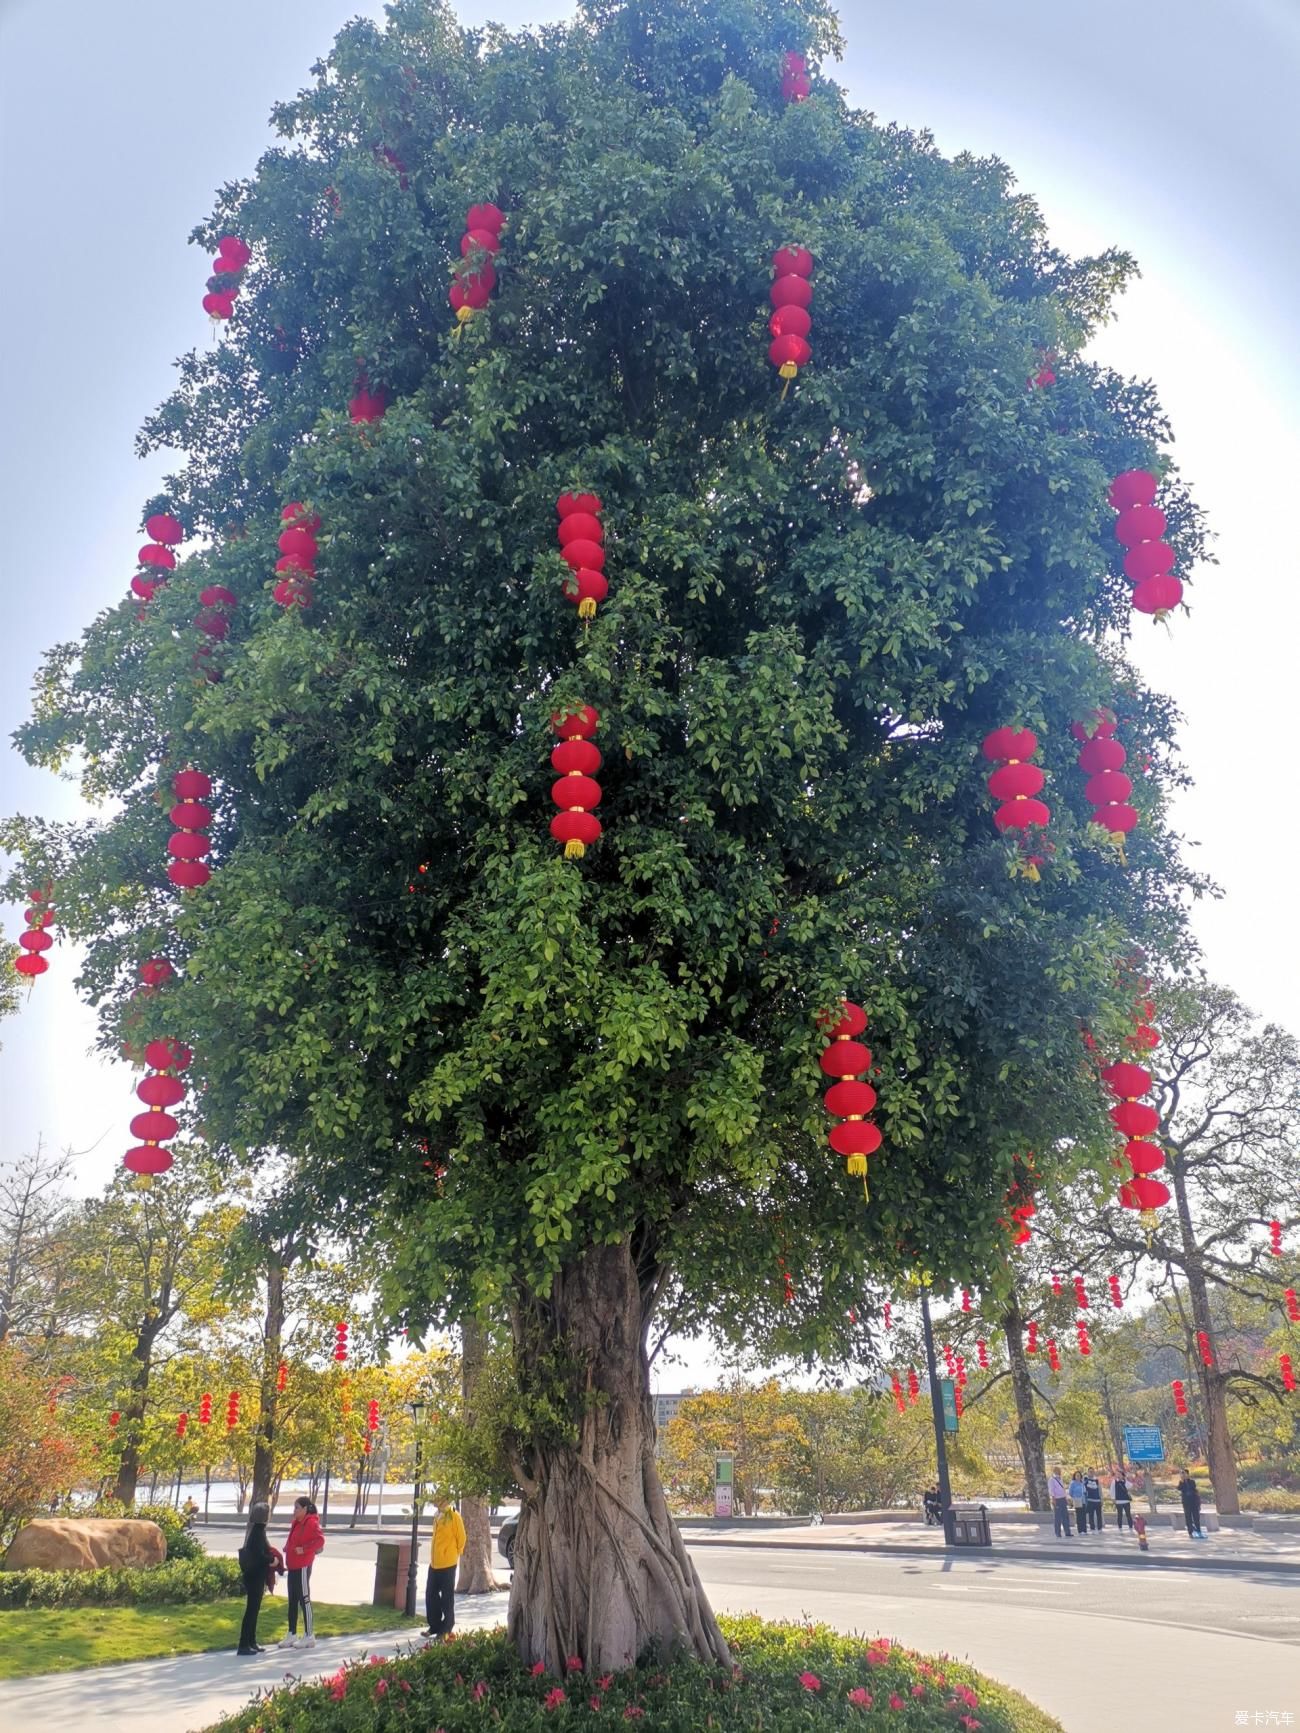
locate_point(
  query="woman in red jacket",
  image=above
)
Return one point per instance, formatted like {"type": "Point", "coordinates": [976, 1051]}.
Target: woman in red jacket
{"type": "Point", "coordinates": [304, 1542]}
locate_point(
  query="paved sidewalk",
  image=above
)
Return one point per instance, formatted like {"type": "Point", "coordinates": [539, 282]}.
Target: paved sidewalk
{"type": "Point", "coordinates": [1227, 1549]}
{"type": "Point", "coordinates": [188, 1692]}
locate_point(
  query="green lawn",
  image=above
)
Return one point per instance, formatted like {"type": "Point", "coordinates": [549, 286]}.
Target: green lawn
{"type": "Point", "coordinates": [54, 1640]}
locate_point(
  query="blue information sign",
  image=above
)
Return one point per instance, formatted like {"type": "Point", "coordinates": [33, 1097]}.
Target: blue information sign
{"type": "Point", "coordinates": [948, 1394]}
{"type": "Point", "coordinates": [1144, 1444]}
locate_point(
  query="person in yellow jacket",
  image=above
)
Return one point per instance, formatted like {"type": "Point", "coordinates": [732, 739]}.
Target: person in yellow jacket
{"type": "Point", "coordinates": [447, 1544]}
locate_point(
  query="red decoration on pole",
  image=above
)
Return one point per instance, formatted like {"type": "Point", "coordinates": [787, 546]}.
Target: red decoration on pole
{"type": "Point", "coordinates": [850, 1098]}
{"type": "Point", "coordinates": [959, 1372]}
{"type": "Point", "coordinates": [1116, 1295]}
{"type": "Point", "coordinates": [1274, 1238]}
{"type": "Point", "coordinates": [913, 1384]}
{"type": "Point", "coordinates": [189, 842]}
{"type": "Point", "coordinates": [899, 1403]}
{"type": "Point", "coordinates": [1203, 1344]}
{"type": "Point", "coordinates": [1102, 761]}
{"type": "Point", "coordinates": [796, 86]}
{"type": "Point", "coordinates": [958, 1401]}
{"type": "Point", "coordinates": [341, 1340]}
{"type": "Point", "coordinates": [982, 1355]}
{"type": "Point", "coordinates": [1053, 1356]}
{"type": "Point", "coordinates": [182, 1422]}
{"type": "Point", "coordinates": [281, 1377]}
{"type": "Point", "coordinates": [163, 1088]}
{"type": "Point", "coordinates": [1015, 783]}
{"type": "Point", "coordinates": [1140, 527]}
{"type": "Point", "coordinates": [790, 322]}
{"type": "Point", "coordinates": [582, 548]}
{"type": "Point", "coordinates": [232, 1411]}
{"type": "Point", "coordinates": [1292, 1306]}
{"type": "Point", "coordinates": [1031, 1346]}
{"type": "Point", "coordinates": [1288, 1376]}
{"type": "Point", "coordinates": [949, 1359]}
{"type": "Point", "coordinates": [1180, 1396]}
{"type": "Point", "coordinates": [39, 916]}
{"type": "Point", "coordinates": [298, 549]}
{"type": "Point", "coordinates": [227, 274]}
{"type": "Point", "coordinates": [372, 1416]}
{"type": "Point", "coordinates": [575, 825]}
{"type": "Point", "coordinates": [1081, 1331]}
{"type": "Point", "coordinates": [205, 1408]}
{"type": "Point", "coordinates": [475, 276]}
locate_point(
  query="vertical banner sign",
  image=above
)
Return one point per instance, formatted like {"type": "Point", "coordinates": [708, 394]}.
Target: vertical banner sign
{"type": "Point", "coordinates": [948, 1391]}
{"type": "Point", "coordinates": [723, 1483]}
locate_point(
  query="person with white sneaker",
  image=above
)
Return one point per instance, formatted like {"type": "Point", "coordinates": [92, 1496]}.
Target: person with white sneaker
{"type": "Point", "coordinates": [304, 1542]}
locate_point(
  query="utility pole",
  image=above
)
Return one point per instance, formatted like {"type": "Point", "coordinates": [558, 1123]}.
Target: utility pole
{"type": "Point", "coordinates": [940, 1438]}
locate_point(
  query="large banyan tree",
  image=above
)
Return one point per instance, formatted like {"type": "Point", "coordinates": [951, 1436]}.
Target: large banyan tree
{"type": "Point", "coordinates": [582, 1094]}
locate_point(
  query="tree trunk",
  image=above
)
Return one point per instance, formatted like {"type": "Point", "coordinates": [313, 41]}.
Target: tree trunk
{"type": "Point", "coordinates": [475, 1576]}
{"type": "Point", "coordinates": [600, 1569]}
{"type": "Point", "coordinates": [1220, 1456]}
{"type": "Point", "coordinates": [268, 1395]}
{"type": "Point", "coordinates": [1113, 1426]}
{"type": "Point", "coordinates": [1031, 1434]}
{"type": "Point", "coordinates": [128, 1468]}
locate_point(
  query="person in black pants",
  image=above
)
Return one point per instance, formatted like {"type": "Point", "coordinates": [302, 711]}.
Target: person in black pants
{"type": "Point", "coordinates": [256, 1561]}
{"type": "Point", "coordinates": [1190, 1494]}
{"type": "Point", "coordinates": [1092, 1500]}
{"type": "Point", "coordinates": [1123, 1502]}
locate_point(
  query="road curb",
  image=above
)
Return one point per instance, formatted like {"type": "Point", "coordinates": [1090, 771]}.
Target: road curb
{"type": "Point", "coordinates": [1127, 1561]}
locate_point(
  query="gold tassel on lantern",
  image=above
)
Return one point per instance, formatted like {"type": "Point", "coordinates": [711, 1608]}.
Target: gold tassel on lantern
{"type": "Point", "coordinates": [587, 608]}
{"type": "Point", "coordinates": [464, 313]}
{"type": "Point", "coordinates": [1150, 1221]}
{"type": "Point", "coordinates": [573, 849]}
{"type": "Point", "coordinates": [787, 371]}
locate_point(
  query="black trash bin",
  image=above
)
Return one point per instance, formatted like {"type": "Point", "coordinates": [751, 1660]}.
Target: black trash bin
{"type": "Point", "coordinates": [970, 1525]}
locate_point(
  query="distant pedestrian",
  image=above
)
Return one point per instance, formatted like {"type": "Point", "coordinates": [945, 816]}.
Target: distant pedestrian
{"type": "Point", "coordinates": [1190, 1494]}
{"type": "Point", "coordinates": [1123, 1501]}
{"type": "Point", "coordinates": [304, 1542]}
{"type": "Point", "coordinates": [1092, 1498]}
{"type": "Point", "coordinates": [1060, 1506]}
{"type": "Point", "coordinates": [1079, 1499]}
{"type": "Point", "coordinates": [257, 1564]}
{"type": "Point", "coordinates": [440, 1586]}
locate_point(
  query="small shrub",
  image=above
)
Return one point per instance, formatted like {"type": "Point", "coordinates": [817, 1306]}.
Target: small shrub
{"type": "Point", "coordinates": [1281, 1474]}
{"type": "Point", "coordinates": [1273, 1501]}
{"type": "Point", "coordinates": [786, 1677]}
{"type": "Point", "coordinates": [181, 1543]}
{"type": "Point", "coordinates": [179, 1581]}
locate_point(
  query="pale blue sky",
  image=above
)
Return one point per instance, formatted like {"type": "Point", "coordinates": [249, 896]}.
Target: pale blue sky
{"type": "Point", "coordinates": [1167, 126]}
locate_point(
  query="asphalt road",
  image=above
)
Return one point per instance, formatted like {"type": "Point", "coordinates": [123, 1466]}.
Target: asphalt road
{"type": "Point", "coordinates": [1103, 1648]}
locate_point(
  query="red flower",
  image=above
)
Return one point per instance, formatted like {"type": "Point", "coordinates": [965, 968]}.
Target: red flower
{"type": "Point", "coordinates": [573, 1663]}
{"type": "Point", "coordinates": [971, 1722]}
{"type": "Point", "coordinates": [918, 1690]}
{"type": "Point", "coordinates": [381, 1689]}
{"type": "Point", "coordinates": [605, 1681]}
{"type": "Point", "coordinates": [861, 1698]}
{"type": "Point", "coordinates": [480, 1691]}
{"type": "Point", "coordinates": [406, 1685]}
{"type": "Point", "coordinates": [810, 1681]}
{"type": "Point", "coordinates": [595, 1702]}
{"type": "Point", "coordinates": [538, 1668]}
{"type": "Point", "coordinates": [896, 1702]}
{"type": "Point", "coordinates": [632, 1713]}
{"type": "Point", "coordinates": [554, 1698]}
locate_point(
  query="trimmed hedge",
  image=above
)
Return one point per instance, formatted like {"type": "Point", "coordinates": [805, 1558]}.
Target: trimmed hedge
{"type": "Point", "coordinates": [180, 1581]}
{"type": "Point", "coordinates": [786, 1677]}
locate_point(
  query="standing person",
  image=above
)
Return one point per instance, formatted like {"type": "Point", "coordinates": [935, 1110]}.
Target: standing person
{"type": "Point", "coordinates": [1092, 1496]}
{"type": "Point", "coordinates": [448, 1543]}
{"type": "Point", "coordinates": [1079, 1499]}
{"type": "Point", "coordinates": [1061, 1524]}
{"type": "Point", "coordinates": [304, 1542]}
{"type": "Point", "coordinates": [257, 1566]}
{"type": "Point", "coordinates": [1190, 1494]}
{"type": "Point", "coordinates": [1123, 1501]}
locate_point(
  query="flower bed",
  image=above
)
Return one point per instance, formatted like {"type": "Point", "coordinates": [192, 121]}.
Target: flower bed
{"type": "Point", "coordinates": [785, 1677]}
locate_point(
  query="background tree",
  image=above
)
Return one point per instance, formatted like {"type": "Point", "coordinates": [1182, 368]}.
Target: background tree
{"type": "Point", "coordinates": [40, 1455]}
{"type": "Point", "coordinates": [820, 605]}
{"type": "Point", "coordinates": [753, 1421]}
{"type": "Point", "coordinates": [33, 1212]}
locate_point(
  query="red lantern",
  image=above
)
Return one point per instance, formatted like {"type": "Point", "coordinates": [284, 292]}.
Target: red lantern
{"type": "Point", "coordinates": [39, 915]}
{"type": "Point", "coordinates": [582, 548]}
{"type": "Point", "coordinates": [160, 1090]}
{"type": "Point", "coordinates": [163, 527]}
{"type": "Point", "coordinates": [958, 1401]}
{"type": "Point", "coordinates": [1031, 1346]}
{"type": "Point", "coordinates": [372, 1416]}
{"type": "Point", "coordinates": [1116, 1297]}
{"type": "Point", "coordinates": [205, 1408]}
{"type": "Point", "coordinates": [182, 1422]}
{"type": "Point", "coordinates": [298, 548]}
{"type": "Point", "coordinates": [796, 86]}
{"type": "Point", "coordinates": [341, 1340]}
{"type": "Point", "coordinates": [232, 1410]}
{"type": "Point", "coordinates": [899, 1403]}
{"type": "Point", "coordinates": [223, 285]}
{"type": "Point", "coordinates": [114, 1420]}
{"type": "Point", "coordinates": [1081, 1331]}
{"type": "Point", "coordinates": [913, 1384]}
{"type": "Point", "coordinates": [856, 1137]}
{"type": "Point", "coordinates": [1149, 562]}
{"type": "Point", "coordinates": [1288, 1376]}
{"type": "Point", "coordinates": [966, 1300]}
{"type": "Point", "coordinates": [575, 825]}
{"type": "Point", "coordinates": [1203, 1344]}
{"type": "Point", "coordinates": [475, 277]}
{"type": "Point", "coordinates": [281, 1377]}
{"type": "Point", "coordinates": [982, 1355]}
{"type": "Point", "coordinates": [959, 1372]}
{"type": "Point", "coordinates": [1053, 1356]}
{"type": "Point", "coordinates": [1292, 1306]}
{"type": "Point", "coordinates": [790, 323]}
{"type": "Point", "coordinates": [1275, 1238]}
{"type": "Point", "coordinates": [154, 972]}
{"type": "Point", "coordinates": [888, 1309]}
{"type": "Point", "coordinates": [1056, 1284]}
{"type": "Point", "coordinates": [366, 405]}
{"type": "Point", "coordinates": [1102, 761]}
{"type": "Point", "coordinates": [189, 842]}
{"type": "Point", "coordinates": [1015, 783]}
{"type": "Point", "coordinates": [1180, 1396]}
{"type": "Point", "coordinates": [950, 1359]}
{"type": "Point", "coordinates": [1080, 1294]}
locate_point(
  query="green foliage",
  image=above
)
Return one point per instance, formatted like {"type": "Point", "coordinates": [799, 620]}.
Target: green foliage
{"type": "Point", "coordinates": [182, 1581]}
{"type": "Point", "coordinates": [669, 1694]}
{"type": "Point", "coordinates": [818, 608]}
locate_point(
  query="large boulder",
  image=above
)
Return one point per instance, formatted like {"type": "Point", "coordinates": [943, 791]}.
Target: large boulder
{"type": "Point", "coordinates": [62, 1543]}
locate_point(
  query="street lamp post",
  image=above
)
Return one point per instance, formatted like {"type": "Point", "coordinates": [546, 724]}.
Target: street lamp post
{"type": "Point", "coordinates": [413, 1568]}
{"type": "Point", "coordinates": [936, 1409]}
